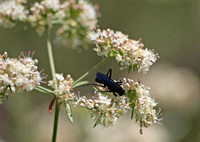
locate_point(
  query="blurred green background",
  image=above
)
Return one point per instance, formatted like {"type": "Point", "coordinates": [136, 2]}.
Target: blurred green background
{"type": "Point", "coordinates": [171, 27]}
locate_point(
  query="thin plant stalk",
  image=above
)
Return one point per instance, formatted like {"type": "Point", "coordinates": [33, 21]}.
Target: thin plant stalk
{"type": "Point", "coordinates": [51, 60]}
{"type": "Point", "coordinates": [50, 54]}
{"type": "Point", "coordinates": [92, 70]}
{"type": "Point", "coordinates": [44, 90]}
{"type": "Point", "coordinates": [56, 117]}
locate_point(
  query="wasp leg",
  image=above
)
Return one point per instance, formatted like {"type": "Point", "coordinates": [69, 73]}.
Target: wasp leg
{"type": "Point", "coordinates": [109, 73]}
{"type": "Point", "coordinates": [115, 94]}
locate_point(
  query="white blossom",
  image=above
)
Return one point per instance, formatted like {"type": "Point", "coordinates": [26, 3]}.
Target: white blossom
{"type": "Point", "coordinates": [143, 103]}
{"type": "Point", "coordinates": [75, 17]}
{"type": "Point", "coordinates": [105, 108]}
{"type": "Point", "coordinates": [78, 22]}
{"type": "Point", "coordinates": [11, 12]}
{"type": "Point", "coordinates": [43, 13]}
{"type": "Point", "coordinates": [17, 75]}
{"type": "Point", "coordinates": [128, 53]}
{"type": "Point", "coordinates": [63, 87]}
{"type": "Point", "coordinates": [88, 16]}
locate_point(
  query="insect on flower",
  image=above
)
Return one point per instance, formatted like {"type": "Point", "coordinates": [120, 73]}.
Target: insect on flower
{"type": "Point", "coordinates": [106, 81]}
{"type": "Point", "coordinates": [112, 85]}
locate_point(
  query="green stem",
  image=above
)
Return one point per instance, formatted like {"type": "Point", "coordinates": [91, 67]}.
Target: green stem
{"type": "Point", "coordinates": [44, 90]}
{"type": "Point", "coordinates": [48, 91]}
{"type": "Point", "coordinates": [51, 61]}
{"type": "Point", "coordinates": [92, 70]}
{"type": "Point", "coordinates": [50, 53]}
{"type": "Point", "coordinates": [56, 116]}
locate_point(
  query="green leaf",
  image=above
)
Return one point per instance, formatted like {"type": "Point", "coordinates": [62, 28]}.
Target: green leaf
{"type": "Point", "coordinates": [68, 112]}
{"type": "Point", "coordinates": [80, 84]}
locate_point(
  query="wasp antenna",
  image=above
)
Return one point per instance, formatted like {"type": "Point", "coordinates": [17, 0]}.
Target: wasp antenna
{"type": "Point", "coordinates": [92, 84]}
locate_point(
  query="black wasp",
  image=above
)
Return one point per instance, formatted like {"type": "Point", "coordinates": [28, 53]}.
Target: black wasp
{"type": "Point", "coordinates": [112, 85]}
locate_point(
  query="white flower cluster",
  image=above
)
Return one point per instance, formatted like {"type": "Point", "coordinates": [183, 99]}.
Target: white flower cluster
{"type": "Point", "coordinates": [88, 15]}
{"type": "Point", "coordinates": [105, 108]}
{"type": "Point", "coordinates": [17, 75]}
{"type": "Point", "coordinates": [80, 18]}
{"type": "Point", "coordinates": [144, 112]}
{"type": "Point", "coordinates": [11, 12]}
{"type": "Point", "coordinates": [43, 13]}
{"type": "Point", "coordinates": [128, 53]}
{"type": "Point", "coordinates": [75, 17]}
{"type": "Point", "coordinates": [63, 87]}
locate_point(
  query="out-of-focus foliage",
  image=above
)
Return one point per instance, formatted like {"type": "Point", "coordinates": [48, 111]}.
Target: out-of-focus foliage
{"type": "Point", "coordinates": [171, 27]}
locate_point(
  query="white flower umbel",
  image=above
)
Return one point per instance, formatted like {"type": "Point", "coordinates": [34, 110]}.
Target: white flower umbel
{"type": "Point", "coordinates": [128, 53]}
{"type": "Point", "coordinates": [63, 87]}
{"type": "Point", "coordinates": [81, 17]}
{"type": "Point", "coordinates": [43, 14]}
{"type": "Point", "coordinates": [17, 75]}
{"type": "Point", "coordinates": [75, 19]}
{"type": "Point", "coordinates": [12, 12]}
{"type": "Point", "coordinates": [142, 103]}
{"type": "Point", "coordinates": [105, 107]}
{"type": "Point", "coordinates": [88, 15]}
